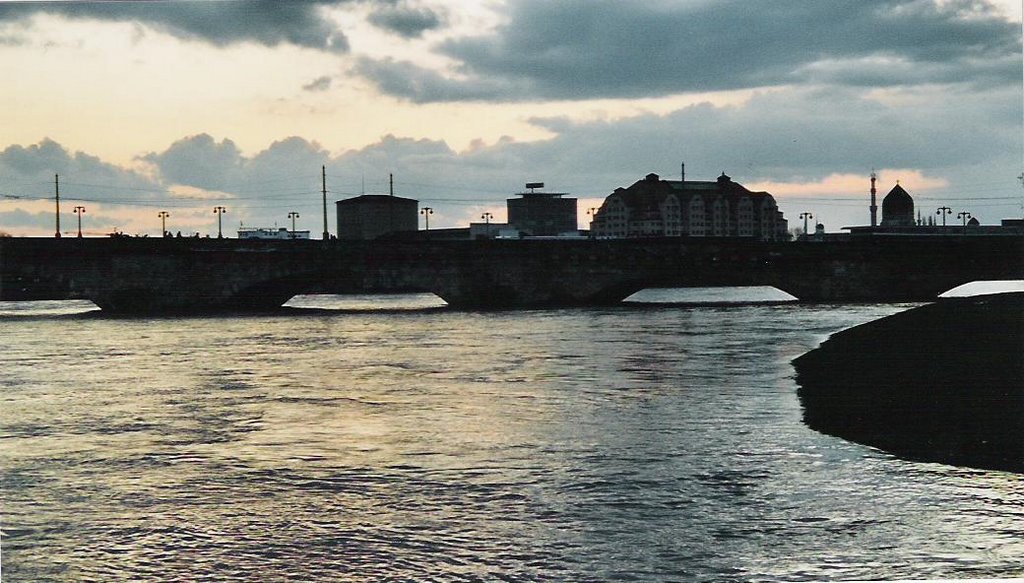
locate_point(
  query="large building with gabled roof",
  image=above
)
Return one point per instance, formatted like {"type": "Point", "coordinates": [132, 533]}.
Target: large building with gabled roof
{"type": "Point", "coordinates": [654, 207]}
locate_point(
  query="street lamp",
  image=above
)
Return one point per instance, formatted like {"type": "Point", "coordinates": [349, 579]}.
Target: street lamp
{"type": "Point", "coordinates": [964, 215]}
{"type": "Point", "coordinates": [79, 210]}
{"type": "Point", "coordinates": [805, 216]}
{"type": "Point", "coordinates": [487, 221]}
{"type": "Point", "coordinates": [948, 210]}
{"type": "Point", "coordinates": [293, 215]}
{"type": "Point", "coordinates": [163, 222]}
{"type": "Point", "coordinates": [592, 211]}
{"type": "Point", "coordinates": [426, 212]}
{"type": "Point", "coordinates": [219, 211]}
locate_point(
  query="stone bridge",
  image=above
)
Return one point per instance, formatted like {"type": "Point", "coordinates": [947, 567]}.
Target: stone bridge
{"type": "Point", "coordinates": [142, 275]}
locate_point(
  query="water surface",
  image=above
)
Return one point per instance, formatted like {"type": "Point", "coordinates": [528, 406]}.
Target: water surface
{"type": "Point", "coordinates": [638, 443]}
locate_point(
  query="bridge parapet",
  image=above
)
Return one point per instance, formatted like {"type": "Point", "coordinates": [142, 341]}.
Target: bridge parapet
{"type": "Point", "coordinates": [189, 275]}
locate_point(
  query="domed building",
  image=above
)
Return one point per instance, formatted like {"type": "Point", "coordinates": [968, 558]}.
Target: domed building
{"type": "Point", "coordinates": [898, 208]}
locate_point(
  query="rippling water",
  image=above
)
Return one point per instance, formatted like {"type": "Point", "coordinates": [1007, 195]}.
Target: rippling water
{"type": "Point", "coordinates": [647, 443]}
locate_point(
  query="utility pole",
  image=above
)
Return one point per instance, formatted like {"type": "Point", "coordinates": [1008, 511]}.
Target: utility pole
{"type": "Point", "coordinates": [948, 210]}
{"type": "Point", "coordinates": [391, 206]}
{"type": "Point", "coordinates": [56, 192]}
{"type": "Point", "coordinates": [1021, 178]}
{"type": "Point", "coordinates": [323, 178]}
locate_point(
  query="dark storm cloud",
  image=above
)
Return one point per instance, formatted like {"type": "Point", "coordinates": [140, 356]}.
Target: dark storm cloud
{"type": "Point", "coordinates": [780, 136]}
{"type": "Point", "coordinates": [580, 49]}
{"type": "Point", "coordinates": [797, 135]}
{"type": "Point", "coordinates": [403, 20]}
{"type": "Point", "coordinates": [269, 22]}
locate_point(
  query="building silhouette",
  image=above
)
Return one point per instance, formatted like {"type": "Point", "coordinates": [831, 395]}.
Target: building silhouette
{"type": "Point", "coordinates": [541, 214]}
{"type": "Point", "coordinates": [898, 208]}
{"type": "Point", "coordinates": [271, 233]}
{"type": "Point", "coordinates": [373, 215]}
{"type": "Point", "coordinates": [654, 207]}
{"type": "Point", "coordinates": [900, 216]}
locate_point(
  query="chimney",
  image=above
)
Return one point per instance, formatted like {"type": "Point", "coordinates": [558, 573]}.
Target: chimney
{"type": "Point", "coordinates": [874, 205]}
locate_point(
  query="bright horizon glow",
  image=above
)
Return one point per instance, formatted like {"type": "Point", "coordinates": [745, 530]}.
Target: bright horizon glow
{"type": "Point", "coordinates": [120, 91]}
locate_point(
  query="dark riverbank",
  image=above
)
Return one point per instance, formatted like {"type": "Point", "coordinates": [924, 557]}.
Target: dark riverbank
{"type": "Point", "coordinates": [943, 382]}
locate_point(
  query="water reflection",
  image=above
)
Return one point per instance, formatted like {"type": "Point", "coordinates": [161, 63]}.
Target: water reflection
{"type": "Point", "coordinates": [635, 442]}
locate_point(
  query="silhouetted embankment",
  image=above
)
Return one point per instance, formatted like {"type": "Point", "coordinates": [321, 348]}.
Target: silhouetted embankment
{"type": "Point", "coordinates": [943, 382]}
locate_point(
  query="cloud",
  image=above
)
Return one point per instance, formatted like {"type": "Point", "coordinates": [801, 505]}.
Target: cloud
{"type": "Point", "coordinates": [319, 84]}
{"type": "Point", "coordinates": [29, 171]}
{"type": "Point", "coordinates": [405, 21]}
{"type": "Point", "coordinates": [959, 144]}
{"type": "Point", "coordinates": [585, 49]}
{"type": "Point", "coordinates": [269, 22]}
{"type": "Point", "coordinates": [199, 161]}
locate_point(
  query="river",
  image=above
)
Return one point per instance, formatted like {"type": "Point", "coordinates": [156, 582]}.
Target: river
{"type": "Point", "coordinates": [388, 438]}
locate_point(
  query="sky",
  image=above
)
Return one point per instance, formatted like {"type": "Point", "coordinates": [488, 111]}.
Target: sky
{"type": "Point", "coordinates": [179, 106]}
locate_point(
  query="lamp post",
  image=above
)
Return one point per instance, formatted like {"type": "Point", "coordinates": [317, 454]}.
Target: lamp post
{"type": "Point", "coordinates": [805, 216]}
{"type": "Point", "coordinates": [592, 211]}
{"type": "Point", "coordinates": [487, 221]}
{"type": "Point", "coordinates": [79, 210]}
{"type": "Point", "coordinates": [219, 211]}
{"type": "Point", "coordinates": [293, 215]}
{"type": "Point", "coordinates": [948, 211]}
{"type": "Point", "coordinates": [426, 212]}
{"type": "Point", "coordinates": [163, 222]}
{"type": "Point", "coordinates": [964, 215]}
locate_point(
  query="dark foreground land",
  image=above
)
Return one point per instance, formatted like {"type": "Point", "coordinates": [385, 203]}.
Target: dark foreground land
{"type": "Point", "coordinates": [943, 382]}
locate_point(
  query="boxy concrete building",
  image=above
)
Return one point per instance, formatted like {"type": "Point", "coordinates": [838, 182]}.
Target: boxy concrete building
{"type": "Point", "coordinates": [372, 215]}
{"type": "Point", "coordinates": [542, 213]}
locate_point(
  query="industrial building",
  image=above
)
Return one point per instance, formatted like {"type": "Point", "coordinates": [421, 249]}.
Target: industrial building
{"type": "Point", "coordinates": [542, 214]}
{"type": "Point", "coordinates": [371, 216]}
